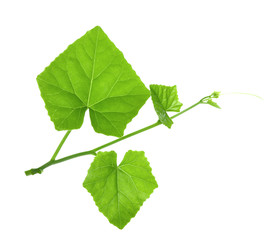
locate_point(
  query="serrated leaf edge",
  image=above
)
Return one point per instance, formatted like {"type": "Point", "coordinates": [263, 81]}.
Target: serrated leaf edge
{"type": "Point", "coordinates": [174, 86]}
{"type": "Point", "coordinates": [118, 166]}
{"type": "Point", "coordinates": [86, 107]}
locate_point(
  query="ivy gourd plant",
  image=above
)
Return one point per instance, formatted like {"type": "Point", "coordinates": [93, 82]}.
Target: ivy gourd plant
{"type": "Point", "coordinates": [92, 74]}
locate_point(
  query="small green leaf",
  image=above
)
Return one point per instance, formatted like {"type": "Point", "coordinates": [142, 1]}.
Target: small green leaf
{"type": "Point", "coordinates": [92, 74]}
{"type": "Point", "coordinates": [165, 99]}
{"type": "Point", "coordinates": [215, 94]}
{"type": "Point", "coordinates": [119, 191]}
{"type": "Point", "coordinates": [212, 103]}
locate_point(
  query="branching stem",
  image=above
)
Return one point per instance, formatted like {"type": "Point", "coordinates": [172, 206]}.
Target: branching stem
{"type": "Point", "coordinates": [53, 160]}
{"type": "Point", "coordinates": [60, 145]}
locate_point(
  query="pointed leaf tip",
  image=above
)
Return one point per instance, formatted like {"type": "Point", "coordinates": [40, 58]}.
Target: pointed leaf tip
{"type": "Point", "coordinates": [212, 103]}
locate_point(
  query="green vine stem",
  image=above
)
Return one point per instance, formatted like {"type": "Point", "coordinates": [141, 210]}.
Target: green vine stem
{"type": "Point", "coordinates": [53, 161]}
{"type": "Point", "coordinates": [60, 145]}
{"type": "Point", "coordinates": [40, 169]}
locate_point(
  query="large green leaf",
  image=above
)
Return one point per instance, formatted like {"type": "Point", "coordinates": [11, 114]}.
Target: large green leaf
{"type": "Point", "coordinates": [119, 191]}
{"type": "Point", "coordinates": [165, 99]}
{"type": "Point", "coordinates": [92, 74]}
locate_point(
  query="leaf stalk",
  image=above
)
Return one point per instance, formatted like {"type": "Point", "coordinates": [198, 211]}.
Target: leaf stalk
{"type": "Point", "coordinates": [53, 160]}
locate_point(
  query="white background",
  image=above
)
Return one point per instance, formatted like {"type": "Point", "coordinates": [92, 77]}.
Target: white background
{"type": "Point", "coordinates": [213, 167]}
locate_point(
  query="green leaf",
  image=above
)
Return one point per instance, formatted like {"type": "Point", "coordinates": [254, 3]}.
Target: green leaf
{"type": "Point", "coordinates": [215, 94]}
{"type": "Point", "coordinates": [212, 103]}
{"type": "Point", "coordinates": [92, 74]}
{"type": "Point", "coordinates": [165, 99]}
{"type": "Point", "coordinates": [119, 191]}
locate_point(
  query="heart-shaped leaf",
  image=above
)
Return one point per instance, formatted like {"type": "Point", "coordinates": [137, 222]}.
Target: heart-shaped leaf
{"type": "Point", "coordinates": [92, 74]}
{"type": "Point", "coordinates": [119, 191]}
